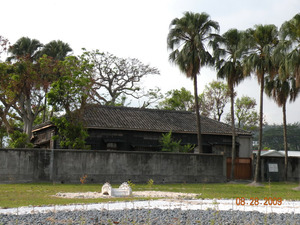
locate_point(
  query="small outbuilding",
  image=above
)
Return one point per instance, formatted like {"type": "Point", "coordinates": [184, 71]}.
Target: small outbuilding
{"type": "Point", "coordinates": [137, 129]}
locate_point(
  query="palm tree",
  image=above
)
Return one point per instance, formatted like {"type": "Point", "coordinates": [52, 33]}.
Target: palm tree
{"type": "Point", "coordinates": [261, 43]}
{"type": "Point", "coordinates": [58, 50]}
{"type": "Point", "coordinates": [25, 47]}
{"type": "Point", "coordinates": [186, 40]}
{"type": "Point", "coordinates": [281, 88]}
{"type": "Point", "coordinates": [289, 53]}
{"type": "Point", "coordinates": [290, 30]}
{"type": "Point", "coordinates": [228, 50]}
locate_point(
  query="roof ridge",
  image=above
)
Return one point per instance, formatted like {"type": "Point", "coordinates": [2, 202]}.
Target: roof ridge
{"type": "Point", "coordinates": [141, 109]}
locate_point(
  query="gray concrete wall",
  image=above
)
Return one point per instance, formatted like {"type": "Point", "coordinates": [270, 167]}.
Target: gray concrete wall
{"type": "Point", "coordinates": [245, 150]}
{"type": "Point", "coordinates": [67, 166]}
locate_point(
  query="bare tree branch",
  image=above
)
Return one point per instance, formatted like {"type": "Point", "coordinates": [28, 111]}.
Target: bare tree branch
{"type": "Point", "coordinates": [114, 77]}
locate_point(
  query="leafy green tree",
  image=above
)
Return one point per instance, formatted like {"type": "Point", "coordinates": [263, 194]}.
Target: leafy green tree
{"type": "Point", "coordinates": [57, 50]}
{"type": "Point", "coordinates": [245, 112]}
{"type": "Point", "coordinates": [29, 102]}
{"type": "Point", "coordinates": [186, 39]}
{"type": "Point", "coordinates": [8, 96]}
{"type": "Point", "coordinates": [273, 136]}
{"type": "Point", "coordinates": [214, 99]}
{"type": "Point", "coordinates": [19, 139]}
{"type": "Point", "coordinates": [25, 47]}
{"type": "Point", "coordinates": [22, 86]}
{"type": "Point", "coordinates": [115, 77]}
{"type": "Point", "coordinates": [21, 93]}
{"type": "Point", "coordinates": [261, 43]}
{"type": "Point", "coordinates": [69, 94]}
{"type": "Point", "coordinates": [178, 100]}
{"type": "Point", "coordinates": [71, 132]}
{"type": "Point", "coordinates": [293, 135]}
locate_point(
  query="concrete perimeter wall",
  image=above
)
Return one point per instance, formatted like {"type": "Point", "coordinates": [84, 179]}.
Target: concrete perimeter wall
{"type": "Point", "coordinates": [68, 166]}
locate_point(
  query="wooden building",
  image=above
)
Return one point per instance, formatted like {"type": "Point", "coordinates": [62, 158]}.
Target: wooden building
{"type": "Point", "coordinates": [135, 129]}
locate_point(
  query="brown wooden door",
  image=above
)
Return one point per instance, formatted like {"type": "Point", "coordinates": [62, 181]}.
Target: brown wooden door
{"type": "Point", "coordinates": [242, 170]}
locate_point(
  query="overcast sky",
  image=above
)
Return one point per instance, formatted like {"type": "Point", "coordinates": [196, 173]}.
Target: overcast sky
{"type": "Point", "coordinates": [139, 28]}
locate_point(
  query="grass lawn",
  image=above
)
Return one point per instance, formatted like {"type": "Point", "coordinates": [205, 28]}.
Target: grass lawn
{"type": "Point", "coordinates": [39, 194]}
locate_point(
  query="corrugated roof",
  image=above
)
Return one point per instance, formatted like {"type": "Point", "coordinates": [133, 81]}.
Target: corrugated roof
{"type": "Point", "coordinates": [280, 153]}
{"type": "Point", "coordinates": [125, 118]}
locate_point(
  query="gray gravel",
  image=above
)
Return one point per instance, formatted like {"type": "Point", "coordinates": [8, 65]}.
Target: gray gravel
{"type": "Point", "coordinates": [151, 216]}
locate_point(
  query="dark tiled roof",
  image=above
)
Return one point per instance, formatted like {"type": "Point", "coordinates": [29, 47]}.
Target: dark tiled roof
{"type": "Point", "coordinates": [124, 118]}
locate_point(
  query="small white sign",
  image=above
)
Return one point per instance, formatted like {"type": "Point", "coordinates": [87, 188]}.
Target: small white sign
{"type": "Point", "coordinates": [273, 167]}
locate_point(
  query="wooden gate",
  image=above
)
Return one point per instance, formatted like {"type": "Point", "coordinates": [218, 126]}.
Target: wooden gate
{"type": "Point", "coordinates": [242, 170]}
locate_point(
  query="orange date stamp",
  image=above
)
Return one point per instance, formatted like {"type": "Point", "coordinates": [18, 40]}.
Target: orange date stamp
{"type": "Point", "coordinates": [255, 201]}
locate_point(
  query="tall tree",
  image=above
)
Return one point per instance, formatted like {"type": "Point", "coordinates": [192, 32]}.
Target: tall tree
{"type": "Point", "coordinates": [69, 94]}
{"type": "Point", "coordinates": [25, 47]}
{"type": "Point", "coordinates": [291, 30]}
{"type": "Point", "coordinates": [178, 100]}
{"type": "Point", "coordinates": [261, 43]}
{"type": "Point", "coordinates": [281, 88]}
{"type": "Point", "coordinates": [58, 50]}
{"type": "Point", "coordinates": [186, 39]}
{"type": "Point", "coordinates": [8, 96]}
{"type": "Point", "coordinates": [21, 93]}
{"type": "Point", "coordinates": [214, 99]}
{"type": "Point", "coordinates": [228, 51]}
{"type": "Point", "coordinates": [115, 77]}
{"type": "Point", "coordinates": [247, 116]}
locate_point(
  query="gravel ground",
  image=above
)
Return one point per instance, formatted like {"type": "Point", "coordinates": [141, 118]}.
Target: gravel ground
{"type": "Point", "coordinates": [172, 211]}
{"type": "Point", "coordinates": [152, 216]}
{"type": "Point", "coordinates": [178, 208]}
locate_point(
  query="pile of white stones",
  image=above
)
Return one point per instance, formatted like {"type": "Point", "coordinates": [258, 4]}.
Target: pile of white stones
{"type": "Point", "coordinates": [123, 191]}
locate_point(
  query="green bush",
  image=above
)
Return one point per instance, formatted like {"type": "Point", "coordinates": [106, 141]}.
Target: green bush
{"type": "Point", "coordinates": [19, 140]}
{"type": "Point", "coordinates": [71, 134]}
{"type": "Point", "coordinates": [170, 145]}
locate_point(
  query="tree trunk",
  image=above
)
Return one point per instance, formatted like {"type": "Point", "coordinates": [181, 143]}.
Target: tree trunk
{"type": "Point", "coordinates": [285, 142]}
{"type": "Point", "coordinates": [45, 106]}
{"type": "Point", "coordinates": [27, 115]}
{"type": "Point", "coordinates": [199, 139]}
{"type": "Point", "coordinates": [44, 111]}
{"type": "Point", "coordinates": [233, 151]}
{"type": "Point", "coordinates": [257, 176]}
{"type": "Point", "coordinates": [28, 124]}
